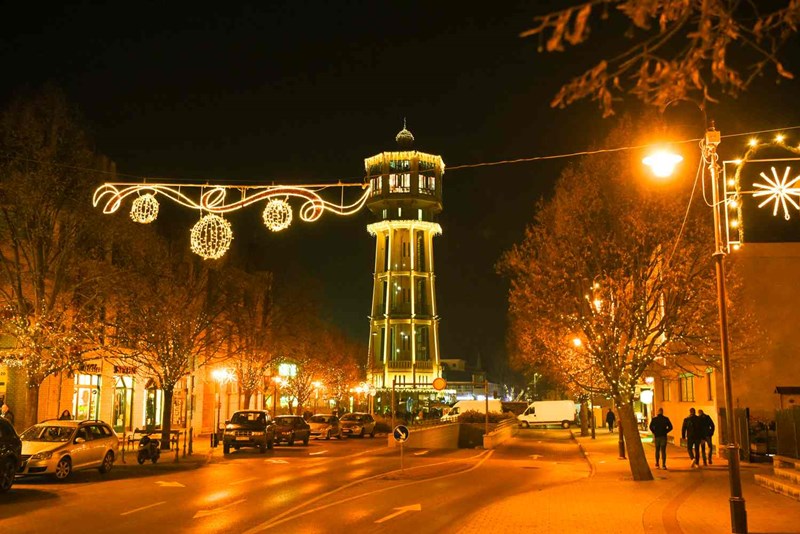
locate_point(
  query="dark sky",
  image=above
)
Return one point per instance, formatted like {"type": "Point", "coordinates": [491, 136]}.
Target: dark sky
{"type": "Point", "coordinates": [301, 92]}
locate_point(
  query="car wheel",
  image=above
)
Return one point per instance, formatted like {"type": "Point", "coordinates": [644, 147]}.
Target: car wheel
{"type": "Point", "coordinates": [7, 476]}
{"type": "Point", "coordinates": [270, 444]}
{"type": "Point", "coordinates": [328, 435]}
{"type": "Point", "coordinates": [564, 424]}
{"type": "Point", "coordinates": [63, 469]}
{"type": "Point", "coordinates": [237, 447]}
{"type": "Point", "coordinates": [226, 449]}
{"type": "Point", "coordinates": [108, 462]}
{"type": "Point", "coordinates": [372, 434]}
{"type": "Point", "coordinates": [361, 434]}
{"type": "Point", "coordinates": [526, 424]}
{"type": "Point", "coordinates": [305, 440]}
{"type": "Point", "coordinates": [291, 440]}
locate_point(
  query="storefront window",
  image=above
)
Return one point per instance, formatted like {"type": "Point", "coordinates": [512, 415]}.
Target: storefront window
{"type": "Point", "coordinates": [123, 403]}
{"type": "Point", "coordinates": [86, 397]}
{"type": "Point", "coordinates": [153, 403]}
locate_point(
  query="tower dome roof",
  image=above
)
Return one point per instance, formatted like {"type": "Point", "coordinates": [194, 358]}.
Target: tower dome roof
{"type": "Point", "coordinates": [404, 138]}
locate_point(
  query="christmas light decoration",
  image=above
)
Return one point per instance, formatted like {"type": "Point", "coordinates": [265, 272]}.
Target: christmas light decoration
{"type": "Point", "coordinates": [211, 237]}
{"type": "Point", "coordinates": [144, 209]}
{"type": "Point", "coordinates": [277, 215]}
{"type": "Point", "coordinates": [779, 191]}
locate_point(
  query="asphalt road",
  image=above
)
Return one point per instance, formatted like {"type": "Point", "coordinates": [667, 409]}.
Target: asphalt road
{"type": "Point", "coordinates": [328, 486]}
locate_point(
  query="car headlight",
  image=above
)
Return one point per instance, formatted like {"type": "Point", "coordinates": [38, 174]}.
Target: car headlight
{"type": "Point", "coordinates": [229, 427]}
{"type": "Point", "coordinates": [46, 455]}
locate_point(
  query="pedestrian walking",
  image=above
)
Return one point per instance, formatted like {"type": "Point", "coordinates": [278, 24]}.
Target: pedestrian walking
{"type": "Point", "coordinates": [7, 414]}
{"type": "Point", "coordinates": [707, 427]}
{"type": "Point", "coordinates": [660, 426]}
{"type": "Point", "coordinates": [611, 418]}
{"type": "Point", "coordinates": [691, 432]}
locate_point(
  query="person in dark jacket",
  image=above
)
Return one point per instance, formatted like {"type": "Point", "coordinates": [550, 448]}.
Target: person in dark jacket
{"type": "Point", "coordinates": [660, 426]}
{"type": "Point", "coordinates": [610, 419]}
{"type": "Point", "coordinates": [7, 414]}
{"type": "Point", "coordinates": [691, 432]}
{"type": "Point", "coordinates": [707, 428]}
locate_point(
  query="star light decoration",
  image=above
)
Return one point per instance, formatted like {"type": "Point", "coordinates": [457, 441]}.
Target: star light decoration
{"type": "Point", "coordinates": [779, 191]}
{"type": "Point", "coordinates": [211, 236]}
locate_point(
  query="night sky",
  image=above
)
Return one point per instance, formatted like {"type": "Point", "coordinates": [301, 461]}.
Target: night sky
{"type": "Point", "coordinates": [301, 92]}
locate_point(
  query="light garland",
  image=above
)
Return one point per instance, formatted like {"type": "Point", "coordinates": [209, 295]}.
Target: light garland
{"type": "Point", "coordinates": [277, 215]}
{"type": "Point", "coordinates": [144, 209]}
{"type": "Point", "coordinates": [211, 237]}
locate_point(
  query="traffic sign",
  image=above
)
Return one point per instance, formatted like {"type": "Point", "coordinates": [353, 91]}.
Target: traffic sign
{"type": "Point", "coordinates": [439, 383]}
{"type": "Point", "coordinates": [400, 433]}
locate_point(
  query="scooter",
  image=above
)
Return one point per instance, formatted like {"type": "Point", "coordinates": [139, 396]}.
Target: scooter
{"type": "Point", "coordinates": [149, 449]}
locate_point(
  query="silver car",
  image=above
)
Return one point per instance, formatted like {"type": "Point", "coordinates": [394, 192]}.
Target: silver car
{"type": "Point", "coordinates": [325, 426]}
{"type": "Point", "coordinates": [58, 448]}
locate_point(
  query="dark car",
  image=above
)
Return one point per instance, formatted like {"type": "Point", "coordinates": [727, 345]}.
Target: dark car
{"type": "Point", "coordinates": [10, 454]}
{"type": "Point", "coordinates": [291, 428]}
{"type": "Point", "coordinates": [248, 428]}
{"type": "Point", "coordinates": [358, 424]}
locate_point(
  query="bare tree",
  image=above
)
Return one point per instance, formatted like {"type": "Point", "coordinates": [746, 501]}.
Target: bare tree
{"type": "Point", "coordinates": [51, 250]}
{"type": "Point", "coordinates": [608, 263]}
{"type": "Point", "coordinates": [680, 49]}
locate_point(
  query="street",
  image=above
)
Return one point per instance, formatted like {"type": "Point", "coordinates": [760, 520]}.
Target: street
{"type": "Point", "coordinates": [324, 487]}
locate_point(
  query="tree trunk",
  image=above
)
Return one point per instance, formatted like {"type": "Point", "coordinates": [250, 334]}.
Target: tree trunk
{"type": "Point", "coordinates": [248, 394]}
{"type": "Point", "coordinates": [31, 414]}
{"type": "Point", "coordinates": [633, 441]}
{"type": "Point", "coordinates": [584, 418]}
{"type": "Point", "coordinates": [166, 418]}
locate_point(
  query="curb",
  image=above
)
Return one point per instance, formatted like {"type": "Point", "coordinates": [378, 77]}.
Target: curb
{"type": "Point", "coordinates": [592, 468]}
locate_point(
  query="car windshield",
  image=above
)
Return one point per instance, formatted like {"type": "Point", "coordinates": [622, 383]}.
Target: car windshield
{"type": "Point", "coordinates": [353, 417]}
{"type": "Point", "coordinates": [319, 419]}
{"type": "Point", "coordinates": [247, 417]}
{"type": "Point", "coordinates": [48, 433]}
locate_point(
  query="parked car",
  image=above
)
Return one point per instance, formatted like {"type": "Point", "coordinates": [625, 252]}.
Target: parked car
{"type": "Point", "coordinates": [248, 428]}
{"type": "Point", "coordinates": [10, 455]}
{"type": "Point", "coordinates": [358, 424]}
{"type": "Point", "coordinates": [291, 428]}
{"type": "Point", "coordinates": [325, 426]}
{"type": "Point", "coordinates": [60, 447]}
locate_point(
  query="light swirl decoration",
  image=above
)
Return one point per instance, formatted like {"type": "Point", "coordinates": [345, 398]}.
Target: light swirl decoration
{"type": "Point", "coordinates": [277, 215]}
{"type": "Point", "coordinates": [211, 237]}
{"type": "Point", "coordinates": [144, 209]}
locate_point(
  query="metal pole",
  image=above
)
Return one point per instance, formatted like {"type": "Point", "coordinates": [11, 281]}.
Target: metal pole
{"type": "Point", "coordinates": [219, 416]}
{"type": "Point", "coordinates": [737, 502]}
{"type": "Point", "coordinates": [486, 416]}
{"type": "Point", "coordinates": [393, 405]}
{"type": "Point", "coordinates": [275, 400]}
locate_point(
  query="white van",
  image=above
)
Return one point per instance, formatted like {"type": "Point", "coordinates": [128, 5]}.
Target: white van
{"type": "Point", "coordinates": [495, 405]}
{"type": "Point", "coordinates": [548, 413]}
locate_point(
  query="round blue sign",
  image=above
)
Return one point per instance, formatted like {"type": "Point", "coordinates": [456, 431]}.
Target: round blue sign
{"type": "Point", "coordinates": [400, 433]}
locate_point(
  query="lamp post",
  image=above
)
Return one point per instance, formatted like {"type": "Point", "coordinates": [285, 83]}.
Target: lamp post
{"type": "Point", "coordinates": [220, 376]}
{"type": "Point", "coordinates": [278, 381]}
{"type": "Point", "coordinates": [709, 152]}
{"type": "Point", "coordinates": [317, 385]}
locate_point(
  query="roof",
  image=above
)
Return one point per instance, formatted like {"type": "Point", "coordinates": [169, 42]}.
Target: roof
{"type": "Point", "coordinates": [788, 390]}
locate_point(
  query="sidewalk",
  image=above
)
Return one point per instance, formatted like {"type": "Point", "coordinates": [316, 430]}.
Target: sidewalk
{"type": "Point", "coordinates": [680, 500]}
{"type": "Point", "coordinates": [202, 453]}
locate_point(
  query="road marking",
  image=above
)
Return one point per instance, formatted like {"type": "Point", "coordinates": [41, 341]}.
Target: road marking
{"type": "Point", "coordinates": [536, 456]}
{"type": "Point", "coordinates": [421, 453]}
{"type": "Point", "coordinates": [401, 510]}
{"type": "Point", "coordinates": [274, 461]}
{"type": "Point", "coordinates": [170, 484]}
{"type": "Point", "coordinates": [143, 508]}
{"type": "Point", "coordinates": [315, 453]}
{"type": "Point", "coordinates": [303, 509]}
{"type": "Point", "coordinates": [205, 513]}
{"type": "Point", "coordinates": [243, 481]}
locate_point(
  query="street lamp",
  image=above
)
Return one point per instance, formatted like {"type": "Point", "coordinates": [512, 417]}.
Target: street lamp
{"type": "Point", "coordinates": [220, 376]}
{"type": "Point", "coordinates": [278, 380]}
{"type": "Point", "coordinates": [709, 153]}
{"type": "Point", "coordinates": [317, 386]}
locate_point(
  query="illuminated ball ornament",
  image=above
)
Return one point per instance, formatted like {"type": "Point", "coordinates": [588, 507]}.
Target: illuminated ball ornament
{"type": "Point", "coordinates": [144, 209]}
{"type": "Point", "coordinates": [277, 215]}
{"type": "Point", "coordinates": [211, 237]}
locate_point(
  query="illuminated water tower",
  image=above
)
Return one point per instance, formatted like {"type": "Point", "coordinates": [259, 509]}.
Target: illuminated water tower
{"type": "Point", "coordinates": [406, 197]}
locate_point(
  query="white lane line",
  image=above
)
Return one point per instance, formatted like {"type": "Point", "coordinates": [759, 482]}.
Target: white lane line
{"type": "Point", "coordinates": [246, 480]}
{"type": "Point", "coordinates": [315, 453]}
{"type": "Point", "coordinates": [421, 453]}
{"type": "Point", "coordinates": [143, 508]}
{"type": "Point", "coordinates": [303, 509]}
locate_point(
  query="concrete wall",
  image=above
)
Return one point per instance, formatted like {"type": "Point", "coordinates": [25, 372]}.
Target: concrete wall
{"type": "Point", "coordinates": [432, 437]}
{"type": "Point", "coordinates": [500, 435]}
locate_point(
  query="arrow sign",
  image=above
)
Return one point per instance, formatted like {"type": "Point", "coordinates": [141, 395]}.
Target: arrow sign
{"type": "Point", "coordinates": [401, 510]}
{"type": "Point", "coordinates": [400, 433]}
{"type": "Point", "coordinates": [170, 484]}
{"type": "Point", "coordinates": [204, 513]}
{"type": "Point", "coordinates": [271, 461]}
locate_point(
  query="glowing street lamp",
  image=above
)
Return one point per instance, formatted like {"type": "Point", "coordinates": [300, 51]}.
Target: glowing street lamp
{"type": "Point", "coordinates": [662, 163]}
{"type": "Point", "coordinates": [221, 377]}
{"type": "Point", "coordinates": [659, 164]}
